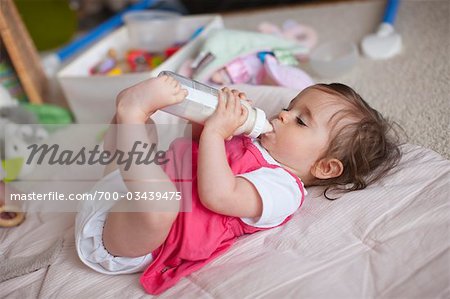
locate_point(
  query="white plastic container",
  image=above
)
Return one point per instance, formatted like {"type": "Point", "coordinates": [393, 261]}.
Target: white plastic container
{"type": "Point", "coordinates": [145, 29]}
{"type": "Point", "coordinates": [201, 102]}
{"type": "Point", "coordinates": [92, 98]}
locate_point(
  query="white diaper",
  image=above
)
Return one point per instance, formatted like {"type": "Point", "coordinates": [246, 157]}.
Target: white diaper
{"type": "Point", "coordinates": [89, 230]}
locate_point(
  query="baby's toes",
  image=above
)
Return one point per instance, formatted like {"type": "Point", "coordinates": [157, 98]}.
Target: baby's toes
{"type": "Point", "coordinates": [176, 89]}
{"type": "Point", "coordinates": [174, 83]}
{"type": "Point", "coordinates": [164, 78]}
{"type": "Point", "coordinates": [181, 95]}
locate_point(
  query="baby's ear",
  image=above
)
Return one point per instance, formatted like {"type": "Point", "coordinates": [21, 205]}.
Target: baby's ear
{"type": "Point", "coordinates": [327, 168]}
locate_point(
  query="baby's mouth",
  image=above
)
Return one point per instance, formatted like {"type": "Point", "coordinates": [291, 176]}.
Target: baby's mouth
{"type": "Point", "coordinates": [273, 127]}
{"type": "Point", "coordinates": [269, 132]}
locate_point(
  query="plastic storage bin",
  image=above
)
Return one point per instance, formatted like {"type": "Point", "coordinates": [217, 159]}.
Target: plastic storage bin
{"type": "Point", "coordinates": [145, 28]}
{"type": "Point", "coordinates": [92, 98]}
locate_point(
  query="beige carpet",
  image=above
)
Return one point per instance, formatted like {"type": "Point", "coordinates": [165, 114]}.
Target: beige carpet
{"type": "Point", "coordinates": [411, 88]}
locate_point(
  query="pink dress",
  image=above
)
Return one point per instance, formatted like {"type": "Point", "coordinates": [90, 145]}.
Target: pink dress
{"type": "Point", "coordinates": [198, 237]}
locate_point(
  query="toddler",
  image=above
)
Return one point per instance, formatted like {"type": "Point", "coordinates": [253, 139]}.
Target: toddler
{"type": "Point", "coordinates": [328, 136]}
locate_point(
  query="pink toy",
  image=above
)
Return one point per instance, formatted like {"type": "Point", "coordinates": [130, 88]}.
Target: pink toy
{"type": "Point", "coordinates": [251, 70]}
{"type": "Point", "coordinates": [245, 70]}
{"type": "Point", "coordinates": [283, 75]}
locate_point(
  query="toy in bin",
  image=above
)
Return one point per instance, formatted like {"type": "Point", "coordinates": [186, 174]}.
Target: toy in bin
{"type": "Point", "coordinates": [151, 36]}
{"type": "Point", "coordinates": [135, 60]}
{"type": "Point", "coordinates": [106, 64]}
{"type": "Point", "coordinates": [140, 60]}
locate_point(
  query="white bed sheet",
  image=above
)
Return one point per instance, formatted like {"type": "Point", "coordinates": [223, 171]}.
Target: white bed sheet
{"type": "Point", "coordinates": [390, 240]}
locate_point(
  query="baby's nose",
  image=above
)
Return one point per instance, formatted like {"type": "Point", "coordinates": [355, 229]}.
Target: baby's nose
{"type": "Point", "coordinates": [283, 115]}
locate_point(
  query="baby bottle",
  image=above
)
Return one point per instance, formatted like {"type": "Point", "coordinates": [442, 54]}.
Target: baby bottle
{"type": "Point", "coordinates": [201, 102]}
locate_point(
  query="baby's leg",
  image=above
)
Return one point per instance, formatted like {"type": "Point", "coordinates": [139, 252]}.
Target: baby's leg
{"type": "Point", "coordinates": [109, 141]}
{"type": "Point", "coordinates": [109, 144]}
{"type": "Point", "coordinates": [134, 234]}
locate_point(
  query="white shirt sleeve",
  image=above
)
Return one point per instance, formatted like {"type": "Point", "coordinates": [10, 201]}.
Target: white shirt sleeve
{"type": "Point", "coordinates": [280, 194]}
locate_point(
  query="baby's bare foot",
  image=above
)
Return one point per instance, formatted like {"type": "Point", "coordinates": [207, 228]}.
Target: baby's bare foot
{"type": "Point", "coordinates": [143, 99]}
{"type": "Point", "coordinates": [166, 91]}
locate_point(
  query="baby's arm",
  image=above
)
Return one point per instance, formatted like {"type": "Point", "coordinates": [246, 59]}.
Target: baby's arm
{"type": "Point", "coordinates": [219, 190]}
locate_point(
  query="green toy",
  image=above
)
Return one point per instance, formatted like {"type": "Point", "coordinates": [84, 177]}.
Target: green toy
{"type": "Point", "coordinates": [50, 114]}
{"type": "Point", "coordinates": [12, 168]}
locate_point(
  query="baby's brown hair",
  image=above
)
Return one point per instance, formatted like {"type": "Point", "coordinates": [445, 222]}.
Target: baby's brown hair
{"type": "Point", "coordinates": [367, 146]}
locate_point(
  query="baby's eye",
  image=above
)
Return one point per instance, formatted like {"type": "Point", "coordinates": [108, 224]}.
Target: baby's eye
{"type": "Point", "coordinates": [285, 109]}
{"type": "Point", "coordinates": [300, 121]}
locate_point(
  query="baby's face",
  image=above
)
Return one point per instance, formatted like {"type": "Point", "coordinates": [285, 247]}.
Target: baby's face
{"type": "Point", "coordinates": [302, 131]}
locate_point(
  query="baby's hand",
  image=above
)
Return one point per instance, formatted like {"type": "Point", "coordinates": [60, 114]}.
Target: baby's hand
{"type": "Point", "coordinates": [135, 104]}
{"type": "Point", "coordinates": [228, 116]}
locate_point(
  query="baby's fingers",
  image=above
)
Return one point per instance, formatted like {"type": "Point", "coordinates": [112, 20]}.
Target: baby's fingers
{"type": "Point", "coordinates": [242, 96]}
{"type": "Point", "coordinates": [237, 106]}
{"type": "Point", "coordinates": [231, 101]}
{"type": "Point", "coordinates": [222, 101]}
{"type": "Point", "coordinates": [239, 94]}
{"type": "Point", "coordinates": [244, 114]}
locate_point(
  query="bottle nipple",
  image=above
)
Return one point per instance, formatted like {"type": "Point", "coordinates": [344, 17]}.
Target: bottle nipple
{"type": "Point", "coordinates": [261, 124]}
{"type": "Point", "coordinates": [267, 127]}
